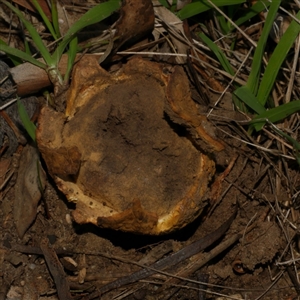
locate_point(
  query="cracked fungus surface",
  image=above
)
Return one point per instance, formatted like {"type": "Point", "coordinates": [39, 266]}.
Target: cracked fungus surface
{"type": "Point", "coordinates": [120, 153]}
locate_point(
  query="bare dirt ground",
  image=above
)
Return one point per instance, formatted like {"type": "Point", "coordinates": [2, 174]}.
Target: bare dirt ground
{"type": "Point", "coordinates": [255, 259]}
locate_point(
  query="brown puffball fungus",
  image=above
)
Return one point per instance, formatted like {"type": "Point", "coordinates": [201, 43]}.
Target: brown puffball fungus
{"type": "Point", "coordinates": [120, 150]}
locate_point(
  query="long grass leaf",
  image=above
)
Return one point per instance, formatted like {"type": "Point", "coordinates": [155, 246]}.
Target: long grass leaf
{"type": "Point", "coordinates": [276, 60]}
{"type": "Point", "coordinates": [245, 95]}
{"type": "Point", "coordinates": [54, 13]}
{"type": "Point", "coordinates": [45, 19]}
{"type": "Point", "coordinates": [294, 142]}
{"type": "Point", "coordinates": [198, 7]}
{"type": "Point", "coordinates": [230, 11]}
{"type": "Point", "coordinates": [15, 59]}
{"type": "Point", "coordinates": [218, 53]}
{"type": "Point", "coordinates": [224, 25]}
{"type": "Point", "coordinates": [254, 76]}
{"type": "Point", "coordinates": [253, 11]}
{"type": "Point", "coordinates": [22, 55]}
{"type": "Point", "coordinates": [164, 3]}
{"type": "Point", "coordinates": [28, 125]}
{"type": "Point", "coordinates": [275, 114]}
{"type": "Point", "coordinates": [33, 33]}
{"type": "Point", "coordinates": [72, 51]}
{"type": "Point", "coordinates": [27, 47]}
{"type": "Point", "coordinates": [92, 16]}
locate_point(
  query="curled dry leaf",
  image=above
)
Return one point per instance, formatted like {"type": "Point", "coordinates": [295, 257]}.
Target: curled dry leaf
{"type": "Point", "coordinates": [27, 189]}
{"type": "Point", "coordinates": [136, 20]}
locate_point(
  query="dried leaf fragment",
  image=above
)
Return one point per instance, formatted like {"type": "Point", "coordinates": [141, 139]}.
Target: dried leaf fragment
{"type": "Point", "coordinates": [27, 189]}
{"type": "Point", "coordinates": [136, 20]}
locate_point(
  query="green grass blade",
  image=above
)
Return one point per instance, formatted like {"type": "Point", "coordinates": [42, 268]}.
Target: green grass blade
{"type": "Point", "coordinates": [254, 76]}
{"type": "Point", "coordinates": [164, 3]}
{"type": "Point", "coordinates": [276, 60]}
{"type": "Point", "coordinates": [15, 59]}
{"type": "Point", "coordinates": [94, 15]}
{"type": "Point", "coordinates": [254, 10]}
{"type": "Point", "coordinates": [72, 51]}
{"type": "Point", "coordinates": [45, 19]}
{"type": "Point", "coordinates": [54, 14]}
{"type": "Point", "coordinates": [294, 142]}
{"type": "Point", "coordinates": [196, 8]}
{"type": "Point", "coordinates": [245, 95]}
{"type": "Point", "coordinates": [225, 27]}
{"type": "Point", "coordinates": [22, 55]}
{"type": "Point", "coordinates": [27, 47]}
{"type": "Point", "coordinates": [230, 11]}
{"type": "Point", "coordinates": [218, 53]}
{"type": "Point", "coordinates": [275, 114]}
{"type": "Point", "coordinates": [29, 126]}
{"type": "Point", "coordinates": [33, 33]}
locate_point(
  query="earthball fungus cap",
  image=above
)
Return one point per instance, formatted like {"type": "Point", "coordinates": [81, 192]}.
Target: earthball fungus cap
{"type": "Point", "coordinates": [122, 150]}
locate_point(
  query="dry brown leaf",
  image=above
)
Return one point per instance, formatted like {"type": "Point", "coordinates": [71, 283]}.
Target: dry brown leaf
{"type": "Point", "coordinates": [27, 4]}
{"type": "Point", "coordinates": [175, 27]}
{"type": "Point", "coordinates": [27, 189]}
{"type": "Point", "coordinates": [136, 20]}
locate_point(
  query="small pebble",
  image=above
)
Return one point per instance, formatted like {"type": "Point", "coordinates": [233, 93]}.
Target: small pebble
{"type": "Point", "coordinates": [68, 219]}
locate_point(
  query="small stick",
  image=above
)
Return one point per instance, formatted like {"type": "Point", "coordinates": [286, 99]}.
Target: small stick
{"type": "Point", "coordinates": [21, 139]}
{"type": "Point", "coordinates": [168, 261]}
{"type": "Point", "coordinates": [56, 270]}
